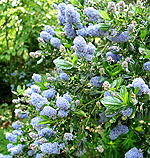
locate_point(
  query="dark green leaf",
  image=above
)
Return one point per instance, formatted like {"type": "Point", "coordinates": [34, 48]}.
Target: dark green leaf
{"type": "Point", "coordinates": [75, 59]}
{"type": "Point", "coordinates": [104, 14]}
{"type": "Point", "coordinates": [123, 91]}
{"type": "Point", "coordinates": [75, 2]}
{"type": "Point", "coordinates": [111, 102]}
{"type": "Point", "coordinates": [136, 90]}
{"type": "Point", "coordinates": [104, 26]}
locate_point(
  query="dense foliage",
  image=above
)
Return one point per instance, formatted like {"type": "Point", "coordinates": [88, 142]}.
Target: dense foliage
{"type": "Point", "coordinates": [96, 101]}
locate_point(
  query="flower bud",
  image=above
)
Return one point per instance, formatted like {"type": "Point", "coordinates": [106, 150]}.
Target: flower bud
{"type": "Point", "coordinates": [125, 65]}
{"type": "Point", "coordinates": [106, 85]}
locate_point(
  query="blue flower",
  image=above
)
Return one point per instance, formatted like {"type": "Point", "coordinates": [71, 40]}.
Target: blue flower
{"type": "Point", "coordinates": [50, 148]}
{"type": "Point", "coordinates": [82, 32]}
{"type": "Point", "coordinates": [134, 153]}
{"type": "Point", "coordinates": [92, 14]}
{"type": "Point", "coordinates": [16, 149]}
{"type": "Point", "coordinates": [31, 152]}
{"type": "Point", "coordinates": [72, 16]}
{"type": "Point", "coordinates": [35, 89]}
{"type": "Point", "coordinates": [35, 125]}
{"type": "Point", "coordinates": [123, 37]}
{"type": "Point", "coordinates": [62, 113]}
{"type": "Point", "coordinates": [54, 5]}
{"type": "Point", "coordinates": [11, 137]}
{"type": "Point", "coordinates": [63, 76]}
{"type": "Point", "coordinates": [143, 88]}
{"type": "Point", "coordinates": [5, 156]}
{"type": "Point", "coordinates": [46, 132]}
{"type": "Point", "coordinates": [50, 93]}
{"type": "Point", "coordinates": [69, 31]}
{"type": "Point", "coordinates": [56, 42]}
{"type": "Point", "coordinates": [36, 77]}
{"type": "Point", "coordinates": [62, 103]}
{"type": "Point", "coordinates": [49, 111]}
{"type": "Point", "coordinates": [61, 18]}
{"type": "Point", "coordinates": [95, 81]}
{"type": "Point", "coordinates": [17, 132]}
{"type": "Point", "coordinates": [10, 146]}
{"type": "Point", "coordinates": [67, 96]}
{"type": "Point", "coordinates": [62, 8]}
{"type": "Point", "coordinates": [39, 155]}
{"type": "Point", "coordinates": [68, 136]}
{"type": "Point", "coordinates": [147, 66]}
{"type": "Point", "coordinates": [127, 112]}
{"type": "Point", "coordinates": [16, 125]}
{"type": "Point", "coordinates": [117, 131]}
{"type": "Point", "coordinates": [38, 101]}
{"type": "Point", "coordinates": [20, 114]}
{"type": "Point", "coordinates": [50, 30]}
{"type": "Point", "coordinates": [112, 55]}
{"type": "Point", "coordinates": [45, 36]}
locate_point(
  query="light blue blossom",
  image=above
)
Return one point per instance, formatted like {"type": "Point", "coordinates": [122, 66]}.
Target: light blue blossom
{"type": "Point", "coordinates": [35, 123]}
{"type": "Point", "coordinates": [16, 149]}
{"type": "Point", "coordinates": [127, 112]}
{"type": "Point", "coordinates": [55, 42]}
{"type": "Point", "coordinates": [72, 16]}
{"type": "Point", "coordinates": [50, 30]}
{"type": "Point", "coordinates": [45, 36]}
{"type": "Point", "coordinates": [143, 88]}
{"type": "Point", "coordinates": [68, 97]}
{"type": "Point", "coordinates": [50, 148]}
{"type": "Point", "coordinates": [21, 114]}
{"type": "Point", "coordinates": [5, 156]}
{"type": "Point", "coordinates": [48, 111]}
{"type": "Point", "coordinates": [17, 132]}
{"type": "Point", "coordinates": [92, 14]}
{"type": "Point", "coordinates": [35, 89]}
{"type": "Point", "coordinates": [147, 66]}
{"type": "Point", "coordinates": [112, 55]}
{"type": "Point", "coordinates": [36, 77]}
{"type": "Point", "coordinates": [62, 113]}
{"type": "Point", "coordinates": [68, 136]}
{"type": "Point", "coordinates": [69, 31]}
{"type": "Point", "coordinates": [117, 131]}
{"type": "Point", "coordinates": [82, 32]}
{"type": "Point", "coordinates": [63, 76]}
{"type": "Point", "coordinates": [62, 103]}
{"type": "Point", "coordinates": [11, 137]}
{"type": "Point", "coordinates": [39, 155]}
{"type": "Point", "coordinates": [123, 37]}
{"type": "Point", "coordinates": [31, 152]}
{"type": "Point", "coordinates": [38, 101]}
{"type": "Point", "coordinates": [54, 5]}
{"type": "Point", "coordinates": [50, 93]}
{"type": "Point", "coordinates": [16, 125]}
{"type": "Point", "coordinates": [95, 81]}
{"type": "Point", "coordinates": [46, 132]}
{"type": "Point", "coordinates": [134, 153]}
{"type": "Point", "coordinates": [10, 146]}
{"type": "Point", "coordinates": [62, 8]}
{"type": "Point", "coordinates": [61, 18]}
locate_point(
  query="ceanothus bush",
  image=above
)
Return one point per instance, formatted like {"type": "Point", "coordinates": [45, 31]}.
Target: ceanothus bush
{"type": "Point", "coordinates": [95, 102]}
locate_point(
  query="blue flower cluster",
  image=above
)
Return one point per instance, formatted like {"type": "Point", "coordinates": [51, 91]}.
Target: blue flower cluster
{"type": "Point", "coordinates": [50, 93]}
{"type": "Point", "coordinates": [38, 101]}
{"type": "Point", "coordinates": [11, 137]}
{"type": "Point", "coordinates": [50, 30]}
{"type": "Point", "coordinates": [61, 15]}
{"type": "Point", "coordinates": [117, 131]}
{"type": "Point", "coordinates": [62, 103]}
{"type": "Point", "coordinates": [56, 42]}
{"type": "Point", "coordinates": [35, 123]}
{"type": "Point", "coordinates": [68, 136]}
{"type": "Point", "coordinates": [21, 114]}
{"type": "Point", "coordinates": [123, 37]}
{"type": "Point", "coordinates": [69, 30]}
{"type": "Point", "coordinates": [92, 31]}
{"type": "Point", "coordinates": [114, 57]}
{"type": "Point", "coordinates": [134, 153]}
{"type": "Point", "coordinates": [63, 76]}
{"type": "Point", "coordinates": [92, 14]}
{"type": "Point", "coordinates": [82, 49]}
{"type": "Point", "coordinates": [16, 125]}
{"type": "Point", "coordinates": [147, 66]}
{"type": "Point", "coordinates": [50, 148]}
{"type": "Point", "coordinates": [5, 156]}
{"type": "Point", "coordinates": [16, 149]}
{"type": "Point", "coordinates": [143, 88]}
{"type": "Point", "coordinates": [39, 155]}
{"type": "Point", "coordinates": [127, 112]}
{"type": "Point", "coordinates": [49, 111]}
{"type": "Point", "coordinates": [95, 81]}
{"type": "Point", "coordinates": [46, 132]}
{"type": "Point", "coordinates": [31, 152]}
{"type": "Point", "coordinates": [67, 97]}
{"type": "Point", "coordinates": [36, 77]}
{"type": "Point", "coordinates": [35, 89]}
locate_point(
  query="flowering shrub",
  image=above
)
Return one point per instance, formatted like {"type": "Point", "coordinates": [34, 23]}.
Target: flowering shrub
{"type": "Point", "coordinates": [95, 103]}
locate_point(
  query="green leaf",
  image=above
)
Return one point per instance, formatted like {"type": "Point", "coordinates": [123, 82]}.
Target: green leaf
{"type": "Point", "coordinates": [75, 2]}
{"type": "Point", "coordinates": [123, 91]}
{"type": "Point", "coordinates": [104, 15]}
{"type": "Point", "coordinates": [111, 102]}
{"type": "Point", "coordinates": [82, 2]}
{"type": "Point", "coordinates": [119, 82]}
{"type": "Point", "coordinates": [63, 64]}
{"type": "Point", "coordinates": [125, 101]}
{"type": "Point", "coordinates": [114, 83]}
{"type": "Point", "coordinates": [44, 122]}
{"type": "Point", "coordinates": [75, 59]}
{"type": "Point", "coordinates": [98, 54]}
{"type": "Point", "coordinates": [40, 61]}
{"type": "Point", "coordinates": [143, 33]}
{"type": "Point", "coordinates": [19, 89]}
{"type": "Point", "coordinates": [136, 90]}
{"type": "Point", "coordinates": [139, 129]}
{"type": "Point", "coordinates": [100, 79]}
{"type": "Point", "coordinates": [81, 113]}
{"type": "Point", "coordinates": [66, 45]}
{"type": "Point", "coordinates": [104, 26]}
